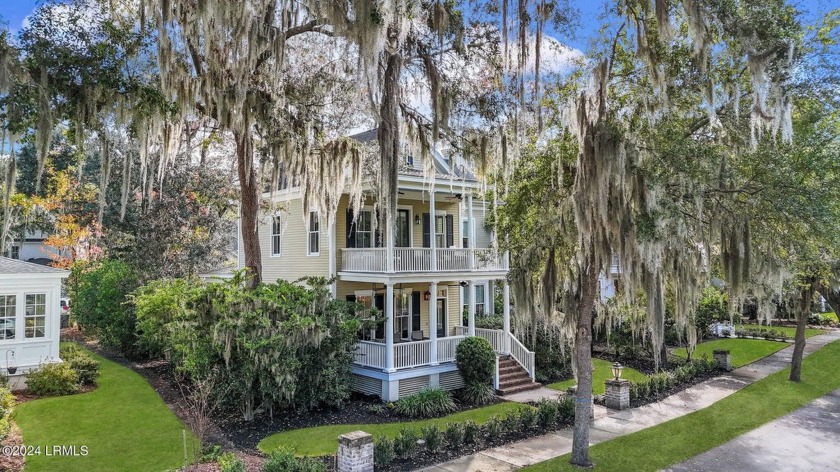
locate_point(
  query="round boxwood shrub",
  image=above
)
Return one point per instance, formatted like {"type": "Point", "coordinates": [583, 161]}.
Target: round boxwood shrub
{"type": "Point", "coordinates": [53, 379]}
{"type": "Point", "coordinates": [476, 360]}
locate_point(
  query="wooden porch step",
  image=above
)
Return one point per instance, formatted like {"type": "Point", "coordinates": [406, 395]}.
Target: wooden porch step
{"type": "Point", "coordinates": [518, 388]}
{"type": "Point", "coordinates": [510, 369]}
{"type": "Point", "coordinates": [513, 378]}
{"type": "Point", "coordinates": [514, 383]}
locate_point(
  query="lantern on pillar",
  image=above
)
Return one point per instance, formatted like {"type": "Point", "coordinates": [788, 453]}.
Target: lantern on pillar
{"type": "Point", "coordinates": [616, 370]}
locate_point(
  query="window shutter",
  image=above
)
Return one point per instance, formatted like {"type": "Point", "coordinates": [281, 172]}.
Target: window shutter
{"type": "Point", "coordinates": [415, 311]}
{"type": "Point", "coordinates": [351, 229]}
{"type": "Point", "coordinates": [450, 231]}
{"type": "Point", "coordinates": [427, 240]}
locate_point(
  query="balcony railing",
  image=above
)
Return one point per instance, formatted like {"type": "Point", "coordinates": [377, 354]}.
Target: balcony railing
{"type": "Point", "coordinates": [422, 260]}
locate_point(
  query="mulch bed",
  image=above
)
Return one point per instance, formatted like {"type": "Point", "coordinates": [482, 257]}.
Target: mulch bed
{"type": "Point", "coordinates": [22, 396]}
{"type": "Point", "coordinates": [247, 434]}
{"type": "Point", "coordinates": [10, 462]}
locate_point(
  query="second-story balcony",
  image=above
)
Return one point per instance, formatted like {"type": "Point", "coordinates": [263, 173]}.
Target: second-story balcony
{"type": "Point", "coordinates": [409, 259]}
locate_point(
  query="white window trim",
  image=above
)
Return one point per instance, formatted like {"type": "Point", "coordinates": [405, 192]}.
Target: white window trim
{"type": "Point", "coordinates": [368, 209]}
{"type": "Point", "coordinates": [279, 235]}
{"type": "Point", "coordinates": [16, 318]}
{"type": "Point", "coordinates": [471, 243]}
{"type": "Point", "coordinates": [47, 302]}
{"type": "Point", "coordinates": [309, 233]}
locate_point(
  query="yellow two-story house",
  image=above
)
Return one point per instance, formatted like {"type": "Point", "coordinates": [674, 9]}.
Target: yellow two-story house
{"type": "Point", "coordinates": [431, 278]}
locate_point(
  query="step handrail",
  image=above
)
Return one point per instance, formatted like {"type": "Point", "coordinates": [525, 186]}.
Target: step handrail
{"type": "Point", "coordinates": [522, 355]}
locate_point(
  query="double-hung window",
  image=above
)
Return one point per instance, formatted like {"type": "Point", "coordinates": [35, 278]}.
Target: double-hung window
{"type": "Point", "coordinates": [440, 231]}
{"type": "Point", "coordinates": [479, 300]}
{"type": "Point", "coordinates": [276, 230]}
{"type": "Point", "coordinates": [8, 313]}
{"type": "Point", "coordinates": [364, 229]}
{"type": "Point", "coordinates": [36, 315]}
{"type": "Point", "coordinates": [314, 241]}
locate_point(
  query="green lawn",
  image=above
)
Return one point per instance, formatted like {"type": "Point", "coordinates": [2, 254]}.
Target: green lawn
{"type": "Point", "coordinates": [323, 440]}
{"type": "Point", "coordinates": [124, 424]}
{"type": "Point", "coordinates": [602, 373]}
{"type": "Point", "coordinates": [788, 331]}
{"type": "Point", "coordinates": [664, 445]}
{"type": "Point", "coordinates": [743, 351]}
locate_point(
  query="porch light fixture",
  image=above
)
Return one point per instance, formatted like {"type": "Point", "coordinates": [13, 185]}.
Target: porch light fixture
{"type": "Point", "coordinates": [417, 219]}
{"type": "Point", "coordinates": [10, 368]}
{"type": "Point", "coordinates": [616, 370]}
{"type": "Point", "coordinates": [427, 295]}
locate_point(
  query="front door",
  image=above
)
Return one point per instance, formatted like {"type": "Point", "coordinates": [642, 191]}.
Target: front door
{"type": "Point", "coordinates": [402, 317]}
{"type": "Point", "coordinates": [441, 317]}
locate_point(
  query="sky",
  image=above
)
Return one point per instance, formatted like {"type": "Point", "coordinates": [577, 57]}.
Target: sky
{"type": "Point", "coordinates": [13, 13]}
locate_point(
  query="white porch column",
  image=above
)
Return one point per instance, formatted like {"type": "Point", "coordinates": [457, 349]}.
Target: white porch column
{"type": "Point", "coordinates": [433, 327]}
{"type": "Point", "coordinates": [389, 328]}
{"type": "Point", "coordinates": [389, 243]}
{"type": "Point", "coordinates": [432, 238]}
{"type": "Point", "coordinates": [333, 255]}
{"type": "Point", "coordinates": [470, 222]}
{"type": "Point", "coordinates": [471, 309]}
{"type": "Point", "coordinates": [506, 317]}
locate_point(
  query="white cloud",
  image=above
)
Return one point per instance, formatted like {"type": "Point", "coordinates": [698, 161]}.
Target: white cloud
{"type": "Point", "coordinates": [555, 57]}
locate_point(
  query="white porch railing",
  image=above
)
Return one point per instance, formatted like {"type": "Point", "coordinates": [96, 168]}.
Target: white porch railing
{"type": "Point", "coordinates": [371, 354]}
{"type": "Point", "coordinates": [447, 347]}
{"type": "Point", "coordinates": [419, 260]}
{"type": "Point", "coordinates": [408, 259]}
{"type": "Point", "coordinates": [494, 336]}
{"type": "Point", "coordinates": [413, 354]}
{"type": "Point", "coordinates": [364, 260]}
{"type": "Point", "coordinates": [522, 355]}
{"type": "Point", "coordinates": [416, 353]}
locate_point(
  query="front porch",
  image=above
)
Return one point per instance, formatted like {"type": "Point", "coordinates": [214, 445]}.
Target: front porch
{"type": "Point", "coordinates": [416, 364]}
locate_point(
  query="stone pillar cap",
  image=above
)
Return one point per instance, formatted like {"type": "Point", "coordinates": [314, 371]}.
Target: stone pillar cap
{"type": "Point", "coordinates": [617, 382]}
{"type": "Point", "coordinates": [355, 438]}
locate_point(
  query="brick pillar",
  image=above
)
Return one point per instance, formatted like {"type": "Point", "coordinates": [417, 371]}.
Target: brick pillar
{"type": "Point", "coordinates": [723, 359]}
{"type": "Point", "coordinates": [355, 452]}
{"type": "Point", "coordinates": [618, 394]}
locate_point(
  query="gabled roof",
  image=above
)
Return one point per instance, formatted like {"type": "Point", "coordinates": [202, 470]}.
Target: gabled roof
{"type": "Point", "coordinates": [443, 166]}
{"type": "Point", "coordinates": [9, 266]}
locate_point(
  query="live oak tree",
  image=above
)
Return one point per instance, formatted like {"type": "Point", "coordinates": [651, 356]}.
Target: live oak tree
{"type": "Point", "coordinates": [670, 70]}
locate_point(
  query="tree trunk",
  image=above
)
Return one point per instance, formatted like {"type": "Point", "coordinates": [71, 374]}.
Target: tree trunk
{"type": "Point", "coordinates": [583, 359]}
{"type": "Point", "coordinates": [663, 354]}
{"type": "Point", "coordinates": [803, 309]}
{"type": "Point", "coordinates": [249, 205]}
{"type": "Point", "coordinates": [388, 133]}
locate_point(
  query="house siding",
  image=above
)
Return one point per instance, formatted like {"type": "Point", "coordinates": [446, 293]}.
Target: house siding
{"type": "Point", "coordinates": [293, 261]}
